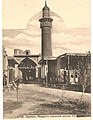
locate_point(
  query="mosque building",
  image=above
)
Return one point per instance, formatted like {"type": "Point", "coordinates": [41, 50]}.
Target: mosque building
{"type": "Point", "coordinates": [62, 69]}
{"type": "Point", "coordinates": [43, 67]}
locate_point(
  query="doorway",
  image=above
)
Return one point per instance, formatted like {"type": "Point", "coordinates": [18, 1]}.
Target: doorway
{"type": "Point", "coordinates": [28, 69]}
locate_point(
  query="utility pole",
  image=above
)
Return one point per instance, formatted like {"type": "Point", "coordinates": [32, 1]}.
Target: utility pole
{"type": "Point", "coordinates": [17, 93]}
{"type": "Point", "coordinates": [17, 89]}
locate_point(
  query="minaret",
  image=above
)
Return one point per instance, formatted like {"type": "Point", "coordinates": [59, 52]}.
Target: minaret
{"type": "Point", "coordinates": [46, 25]}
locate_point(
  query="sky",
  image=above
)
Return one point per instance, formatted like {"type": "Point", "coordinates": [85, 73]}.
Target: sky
{"type": "Point", "coordinates": [70, 31]}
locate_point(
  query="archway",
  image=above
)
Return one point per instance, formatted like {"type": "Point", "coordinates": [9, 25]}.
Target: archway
{"type": "Point", "coordinates": [28, 68]}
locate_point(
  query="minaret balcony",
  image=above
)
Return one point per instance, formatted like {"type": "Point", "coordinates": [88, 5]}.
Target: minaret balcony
{"type": "Point", "coordinates": [46, 19]}
{"type": "Point", "coordinates": [45, 24]}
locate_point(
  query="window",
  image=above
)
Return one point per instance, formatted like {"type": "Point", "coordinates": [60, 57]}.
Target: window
{"type": "Point", "coordinates": [71, 76]}
{"type": "Point", "coordinates": [26, 52]}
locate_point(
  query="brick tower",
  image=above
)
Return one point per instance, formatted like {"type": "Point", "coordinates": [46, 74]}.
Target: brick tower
{"type": "Point", "coordinates": [46, 25]}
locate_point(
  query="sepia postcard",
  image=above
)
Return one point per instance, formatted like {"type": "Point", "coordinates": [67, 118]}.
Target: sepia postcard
{"type": "Point", "coordinates": [46, 59]}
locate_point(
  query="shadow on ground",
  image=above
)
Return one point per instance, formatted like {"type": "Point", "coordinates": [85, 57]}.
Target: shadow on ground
{"type": "Point", "coordinates": [10, 105]}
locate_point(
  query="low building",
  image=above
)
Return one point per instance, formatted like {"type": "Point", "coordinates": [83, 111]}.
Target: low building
{"type": "Point", "coordinates": [12, 63]}
{"type": "Point", "coordinates": [68, 68]}
{"type": "Point", "coordinates": [22, 65]}
{"type": "Point", "coordinates": [48, 70]}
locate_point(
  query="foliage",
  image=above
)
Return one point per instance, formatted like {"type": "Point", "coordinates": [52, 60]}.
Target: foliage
{"type": "Point", "coordinates": [84, 71]}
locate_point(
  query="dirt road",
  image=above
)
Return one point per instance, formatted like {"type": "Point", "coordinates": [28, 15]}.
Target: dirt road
{"type": "Point", "coordinates": [33, 99]}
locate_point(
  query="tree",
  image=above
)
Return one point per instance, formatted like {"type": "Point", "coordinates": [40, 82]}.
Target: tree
{"type": "Point", "coordinates": [84, 71]}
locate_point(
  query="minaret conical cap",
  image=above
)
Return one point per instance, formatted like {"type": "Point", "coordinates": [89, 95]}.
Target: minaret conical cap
{"type": "Point", "coordinates": [46, 7]}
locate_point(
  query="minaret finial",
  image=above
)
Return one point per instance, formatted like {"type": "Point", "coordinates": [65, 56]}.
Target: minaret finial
{"type": "Point", "coordinates": [45, 3]}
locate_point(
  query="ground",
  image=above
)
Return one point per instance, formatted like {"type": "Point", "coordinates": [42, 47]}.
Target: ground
{"type": "Point", "coordinates": [33, 99]}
